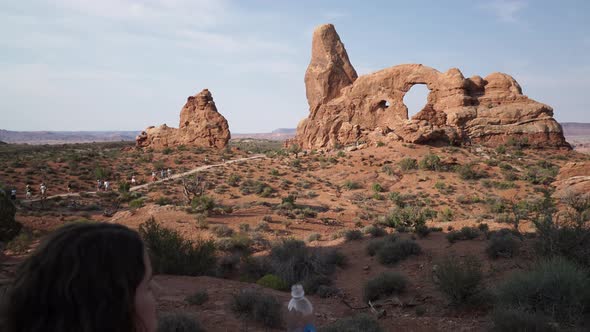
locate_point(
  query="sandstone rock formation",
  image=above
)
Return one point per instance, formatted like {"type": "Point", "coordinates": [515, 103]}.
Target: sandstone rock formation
{"type": "Point", "coordinates": [573, 179]}
{"type": "Point", "coordinates": [346, 109]}
{"type": "Point", "coordinates": [200, 125]}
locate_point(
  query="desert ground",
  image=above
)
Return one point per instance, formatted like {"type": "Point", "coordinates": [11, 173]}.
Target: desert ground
{"type": "Point", "coordinates": [449, 201]}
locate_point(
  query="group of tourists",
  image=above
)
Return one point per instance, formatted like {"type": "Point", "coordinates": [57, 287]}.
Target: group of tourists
{"type": "Point", "coordinates": [102, 185]}
{"type": "Point", "coordinates": [164, 174]}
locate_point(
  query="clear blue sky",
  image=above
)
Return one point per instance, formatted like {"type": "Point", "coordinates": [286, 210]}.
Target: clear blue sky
{"type": "Point", "coordinates": [127, 64]}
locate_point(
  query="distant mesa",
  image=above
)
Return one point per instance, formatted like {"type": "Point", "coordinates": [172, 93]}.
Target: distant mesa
{"type": "Point", "coordinates": [347, 109]}
{"type": "Point", "coordinates": [200, 125]}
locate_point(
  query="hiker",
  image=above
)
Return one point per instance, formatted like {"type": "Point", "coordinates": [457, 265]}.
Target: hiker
{"type": "Point", "coordinates": [169, 173]}
{"type": "Point", "coordinates": [98, 185]}
{"type": "Point", "coordinates": [83, 277]}
{"type": "Point", "coordinates": [29, 192]}
{"type": "Point", "coordinates": [133, 181]}
{"type": "Point", "coordinates": [69, 188]}
{"type": "Point", "coordinates": [106, 185]}
{"type": "Point", "coordinates": [163, 173]}
{"type": "Point", "coordinates": [154, 177]}
{"type": "Point", "coordinates": [13, 194]}
{"type": "Point", "coordinates": [43, 189]}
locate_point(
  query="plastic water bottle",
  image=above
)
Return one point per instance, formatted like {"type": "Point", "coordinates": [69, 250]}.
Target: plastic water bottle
{"type": "Point", "coordinates": [300, 315]}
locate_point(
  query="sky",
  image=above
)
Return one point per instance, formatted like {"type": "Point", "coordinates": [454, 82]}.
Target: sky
{"type": "Point", "coordinates": [128, 64]}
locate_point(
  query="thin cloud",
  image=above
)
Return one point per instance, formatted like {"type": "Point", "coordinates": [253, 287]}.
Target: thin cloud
{"type": "Point", "coordinates": [505, 10]}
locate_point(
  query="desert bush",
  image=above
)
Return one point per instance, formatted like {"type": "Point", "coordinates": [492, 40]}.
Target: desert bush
{"type": "Point", "coordinates": [9, 227]}
{"type": "Point", "coordinates": [392, 252]}
{"type": "Point", "coordinates": [502, 245]}
{"type": "Point", "coordinates": [385, 284]}
{"type": "Point", "coordinates": [360, 322]}
{"type": "Point", "coordinates": [376, 244]}
{"type": "Point", "coordinates": [262, 226]}
{"type": "Point", "coordinates": [234, 180]}
{"type": "Point", "coordinates": [351, 185]}
{"type": "Point", "coordinates": [314, 237]}
{"type": "Point", "coordinates": [467, 172]}
{"type": "Point", "coordinates": [162, 200]}
{"type": "Point", "coordinates": [136, 203]}
{"type": "Point", "coordinates": [501, 149]}
{"type": "Point", "coordinates": [446, 214]}
{"type": "Point", "coordinates": [459, 279]}
{"type": "Point", "coordinates": [172, 254]}
{"type": "Point", "coordinates": [353, 234]}
{"type": "Point", "coordinates": [197, 298]}
{"type": "Point", "coordinates": [236, 243]}
{"type": "Point", "coordinates": [222, 230]}
{"type": "Point", "coordinates": [555, 288]}
{"type": "Point", "coordinates": [312, 284]}
{"type": "Point", "coordinates": [407, 164]}
{"type": "Point", "coordinates": [431, 162]}
{"type": "Point", "coordinates": [178, 322]}
{"type": "Point", "coordinates": [123, 186]}
{"type": "Point", "coordinates": [256, 306]}
{"type": "Point", "coordinates": [202, 203]}
{"type": "Point", "coordinates": [377, 188]}
{"type": "Point", "coordinates": [387, 169]}
{"type": "Point", "coordinates": [273, 282]}
{"type": "Point", "coordinates": [244, 227]}
{"type": "Point", "coordinates": [466, 233]}
{"type": "Point", "coordinates": [556, 239]}
{"type": "Point", "coordinates": [408, 217]}
{"type": "Point", "coordinates": [293, 262]}
{"type": "Point", "coordinates": [374, 231]}
{"type": "Point", "coordinates": [20, 243]}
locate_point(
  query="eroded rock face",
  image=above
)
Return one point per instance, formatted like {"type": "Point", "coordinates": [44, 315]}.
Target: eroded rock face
{"type": "Point", "coordinates": [345, 109]}
{"type": "Point", "coordinates": [200, 125]}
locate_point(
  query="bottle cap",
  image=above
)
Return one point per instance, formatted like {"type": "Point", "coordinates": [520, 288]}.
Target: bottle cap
{"type": "Point", "coordinates": [297, 291]}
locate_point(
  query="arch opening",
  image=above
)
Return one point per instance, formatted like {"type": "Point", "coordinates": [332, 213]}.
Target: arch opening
{"type": "Point", "coordinates": [416, 99]}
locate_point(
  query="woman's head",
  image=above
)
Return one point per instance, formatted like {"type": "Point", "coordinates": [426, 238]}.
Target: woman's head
{"type": "Point", "coordinates": [83, 277]}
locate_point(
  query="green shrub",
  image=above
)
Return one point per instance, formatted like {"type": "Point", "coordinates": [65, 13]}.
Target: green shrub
{"type": "Point", "coordinates": [376, 244]}
{"type": "Point", "coordinates": [459, 279]}
{"type": "Point", "coordinates": [353, 234]}
{"type": "Point", "coordinates": [374, 231]}
{"type": "Point", "coordinates": [407, 164]}
{"type": "Point", "coordinates": [293, 262]}
{"type": "Point", "coordinates": [202, 203]}
{"type": "Point", "coordinates": [172, 254]}
{"type": "Point", "coordinates": [20, 243]}
{"type": "Point", "coordinates": [314, 237]}
{"type": "Point", "coordinates": [446, 214]}
{"type": "Point", "coordinates": [9, 227]}
{"type": "Point", "coordinates": [234, 180]}
{"type": "Point", "coordinates": [466, 233]}
{"type": "Point", "coordinates": [256, 306]}
{"type": "Point", "coordinates": [408, 217]}
{"type": "Point", "coordinates": [467, 172]}
{"type": "Point", "coordinates": [163, 201]}
{"type": "Point", "coordinates": [198, 298]}
{"type": "Point", "coordinates": [178, 322]}
{"type": "Point", "coordinates": [501, 149]}
{"type": "Point", "coordinates": [556, 289]}
{"type": "Point", "coordinates": [357, 323]}
{"type": "Point", "coordinates": [124, 186]}
{"type": "Point", "coordinates": [136, 203]}
{"type": "Point", "coordinates": [392, 252]}
{"type": "Point", "coordinates": [377, 188]}
{"type": "Point", "coordinates": [502, 245]}
{"type": "Point", "coordinates": [385, 284]}
{"type": "Point", "coordinates": [222, 230]}
{"type": "Point", "coordinates": [274, 282]}
{"type": "Point", "coordinates": [387, 169]}
{"type": "Point", "coordinates": [431, 162]}
{"type": "Point", "coordinates": [351, 185]}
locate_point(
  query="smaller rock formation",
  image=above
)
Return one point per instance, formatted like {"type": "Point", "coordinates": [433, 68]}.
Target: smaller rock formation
{"type": "Point", "coordinates": [573, 179]}
{"type": "Point", "coordinates": [200, 125]}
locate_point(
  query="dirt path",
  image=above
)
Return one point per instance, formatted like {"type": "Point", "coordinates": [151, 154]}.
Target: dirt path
{"type": "Point", "coordinates": [146, 185]}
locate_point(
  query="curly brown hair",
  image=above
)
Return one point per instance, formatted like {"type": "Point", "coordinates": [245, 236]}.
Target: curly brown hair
{"type": "Point", "coordinates": [82, 278]}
